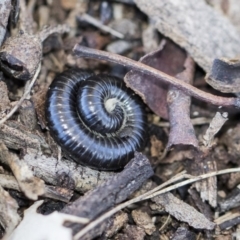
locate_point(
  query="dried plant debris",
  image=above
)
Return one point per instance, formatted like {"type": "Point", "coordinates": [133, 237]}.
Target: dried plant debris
{"type": "Point", "coordinates": [21, 55]}
{"type": "Point", "coordinates": [181, 128]}
{"type": "Point", "coordinates": [184, 199]}
{"type": "Point", "coordinates": [116, 223]}
{"type": "Point", "coordinates": [225, 75]}
{"type": "Point", "coordinates": [183, 211]}
{"type": "Point", "coordinates": [53, 192]}
{"type": "Point", "coordinates": [29, 184]}
{"type": "Point", "coordinates": [183, 233]}
{"type": "Point", "coordinates": [9, 217]}
{"type": "Point", "coordinates": [202, 206]}
{"type": "Point", "coordinates": [204, 160]}
{"type": "Point", "coordinates": [150, 39]}
{"type": "Point", "coordinates": [5, 9]}
{"type": "Point", "coordinates": [234, 180]}
{"type": "Point", "coordinates": [228, 220]}
{"type": "Point", "coordinates": [214, 127]}
{"type": "Point", "coordinates": [51, 225]}
{"type": "Point", "coordinates": [4, 100]}
{"type": "Point", "coordinates": [231, 140]}
{"type": "Point", "coordinates": [27, 115]}
{"type": "Point", "coordinates": [18, 137]}
{"type": "Point", "coordinates": [131, 232]}
{"type": "Point", "coordinates": [229, 8]}
{"type": "Point", "coordinates": [169, 58]}
{"type": "Point", "coordinates": [143, 220]}
{"type": "Point", "coordinates": [202, 31]}
{"type": "Point", "coordinates": [115, 190]}
{"type": "Point", "coordinates": [231, 201]}
{"type": "Point", "coordinates": [168, 102]}
{"type": "Point", "coordinates": [65, 173]}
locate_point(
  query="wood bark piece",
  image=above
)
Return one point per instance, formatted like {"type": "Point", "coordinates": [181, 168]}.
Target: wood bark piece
{"type": "Point", "coordinates": [228, 220]}
{"type": "Point", "coordinates": [25, 49]}
{"type": "Point", "coordinates": [65, 173]}
{"type": "Point", "coordinates": [16, 136]}
{"type": "Point", "coordinates": [234, 219]}
{"type": "Point", "coordinates": [27, 115]}
{"type": "Point", "coordinates": [9, 217]}
{"type": "Point", "coordinates": [5, 9]}
{"type": "Point", "coordinates": [203, 32]}
{"type": "Point", "coordinates": [182, 131]}
{"type": "Point", "coordinates": [205, 161]}
{"type": "Point", "coordinates": [183, 233]}
{"type": "Point", "coordinates": [4, 100]}
{"type": "Point", "coordinates": [183, 212]}
{"type": "Point", "coordinates": [225, 75]}
{"type": "Point", "coordinates": [30, 185]}
{"type": "Point", "coordinates": [115, 190]}
{"type": "Point", "coordinates": [230, 8]}
{"type": "Point", "coordinates": [214, 127]}
{"type": "Point", "coordinates": [57, 193]}
{"type": "Point", "coordinates": [198, 203]}
{"type": "Point", "coordinates": [231, 201]}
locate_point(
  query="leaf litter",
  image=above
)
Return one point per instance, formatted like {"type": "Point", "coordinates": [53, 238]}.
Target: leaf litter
{"type": "Point", "coordinates": [198, 36]}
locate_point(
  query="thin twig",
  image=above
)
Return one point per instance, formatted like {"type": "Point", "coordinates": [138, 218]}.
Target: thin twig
{"type": "Point", "coordinates": [85, 52]}
{"type": "Point", "coordinates": [194, 121]}
{"type": "Point", "coordinates": [24, 96]}
{"type": "Point", "coordinates": [98, 24]}
{"type": "Point", "coordinates": [165, 224]}
{"type": "Point", "coordinates": [151, 195]}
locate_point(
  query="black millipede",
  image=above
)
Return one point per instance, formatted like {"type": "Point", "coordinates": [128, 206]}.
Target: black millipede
{"type": "Point", "coordinates": [95, 119]}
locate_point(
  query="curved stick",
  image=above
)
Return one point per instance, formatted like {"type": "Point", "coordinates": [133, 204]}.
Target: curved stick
{"type": "Point", "coordinates": [85, 52]}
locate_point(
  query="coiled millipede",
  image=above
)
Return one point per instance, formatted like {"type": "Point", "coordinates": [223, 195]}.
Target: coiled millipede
{"type": "Point", "coordinates": [95, 119]}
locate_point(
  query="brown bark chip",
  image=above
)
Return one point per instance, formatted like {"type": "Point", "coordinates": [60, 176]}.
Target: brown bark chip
{"type": "Point", "coordinates": [203, 32]}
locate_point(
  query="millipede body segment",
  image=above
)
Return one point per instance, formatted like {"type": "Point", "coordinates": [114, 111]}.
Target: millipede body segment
{"type": "Point", "coordinates": [95, 119]}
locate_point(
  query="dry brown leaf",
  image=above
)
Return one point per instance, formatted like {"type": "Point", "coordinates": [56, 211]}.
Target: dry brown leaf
{"type": "Point", "coordinates": [194, 25]}
{"type": "Point", "coordinates": [168, 58]}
